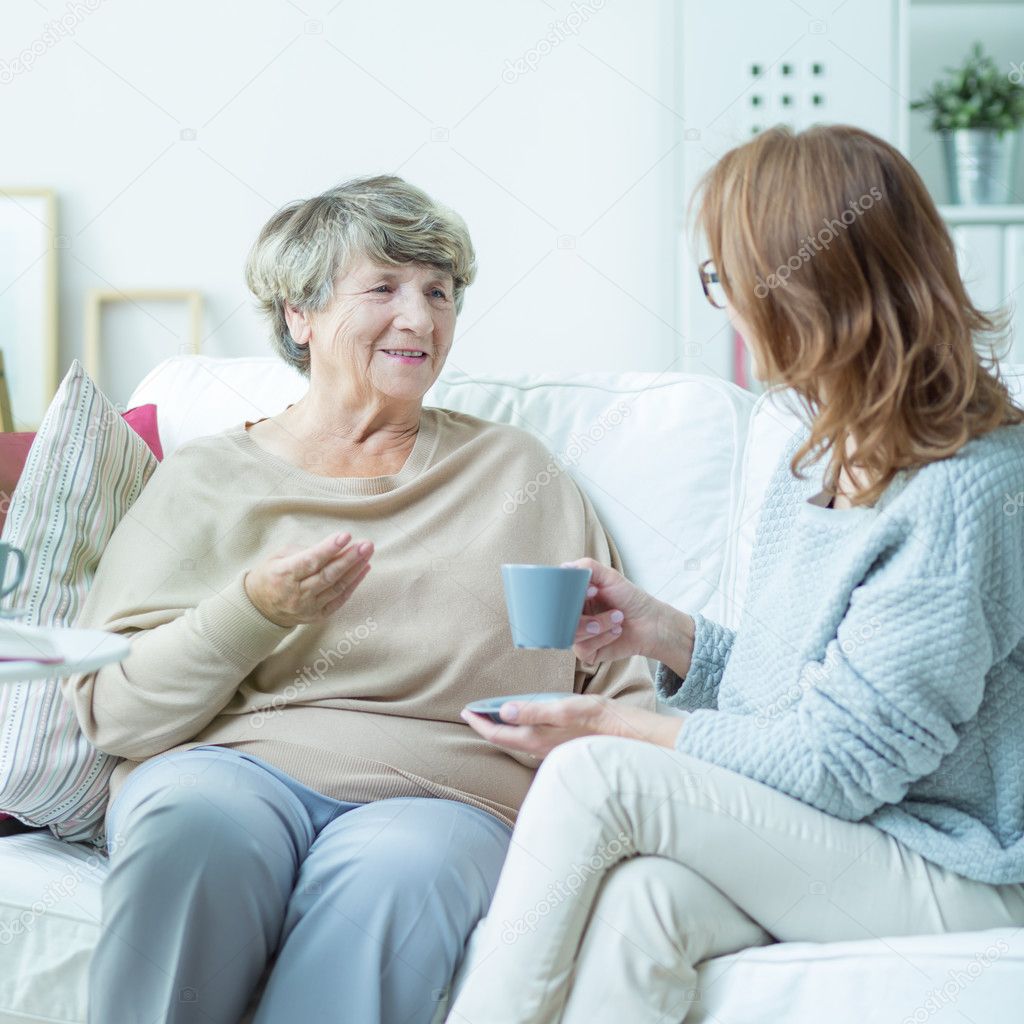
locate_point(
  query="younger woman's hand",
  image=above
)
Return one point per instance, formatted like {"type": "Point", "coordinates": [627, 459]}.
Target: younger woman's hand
{"type": "Point", "coordinates": [619, 619]}
{"type": "Point", "coordinates": [537, 727]}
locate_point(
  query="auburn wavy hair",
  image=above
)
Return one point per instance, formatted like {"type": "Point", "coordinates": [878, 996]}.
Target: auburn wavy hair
{"type": "Point", "coordinates": [831, 251]}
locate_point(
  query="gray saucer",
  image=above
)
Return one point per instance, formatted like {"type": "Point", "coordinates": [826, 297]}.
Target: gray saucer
{"type": "Point", "coordinates": [490, 706]}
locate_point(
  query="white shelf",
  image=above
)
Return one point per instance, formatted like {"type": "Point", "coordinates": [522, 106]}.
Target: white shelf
{"type": "Point", "coordinates": [1012, 214]}
{"type": "Point", "coordinates": [958, 3]}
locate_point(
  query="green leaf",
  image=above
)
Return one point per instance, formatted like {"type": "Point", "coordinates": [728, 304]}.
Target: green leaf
{"type": "Point", "coordinates": [978, 94]}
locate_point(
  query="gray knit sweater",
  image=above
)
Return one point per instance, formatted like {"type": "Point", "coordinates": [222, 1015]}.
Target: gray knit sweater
{"type": "Point", "coordinates": [877, 672]}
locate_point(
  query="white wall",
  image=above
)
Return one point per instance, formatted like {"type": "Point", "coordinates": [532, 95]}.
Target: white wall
{"type": "Point", "coordinates": [845, 54]}
{"type": "Point", "coordinates": [287, 97]}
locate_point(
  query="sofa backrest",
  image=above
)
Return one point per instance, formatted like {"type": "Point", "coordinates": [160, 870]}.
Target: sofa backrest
{"type": "Point", "coordinates": [675, 464]}
{"type": "Point", "coordinates": [659, 455]}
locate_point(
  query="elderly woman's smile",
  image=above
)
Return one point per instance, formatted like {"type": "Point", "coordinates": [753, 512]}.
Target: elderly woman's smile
{"type": "Point", "coordinates": [405, 355]}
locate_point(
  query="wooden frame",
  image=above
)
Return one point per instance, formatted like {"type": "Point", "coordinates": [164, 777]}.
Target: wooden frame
{"type": "Point", "coordinates": [6, 416]}
{"type": "Point", "coordinates": [96, 297]}
{"type": "Point", "coordinates": [30, 366]}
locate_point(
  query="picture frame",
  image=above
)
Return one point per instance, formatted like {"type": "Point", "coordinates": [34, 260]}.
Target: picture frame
{"type": "Point", "coordinates": [28, 301]}
{"type": "Point", "coordinates": [97, 298]}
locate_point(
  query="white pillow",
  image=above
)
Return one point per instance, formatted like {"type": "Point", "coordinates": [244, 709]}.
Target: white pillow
{"type": "Point", "coordinates": [658, 454]}
{"type": "Point", "coordinates": [200, 395]}
{"type": "Point", "coordinates": [775, 419]}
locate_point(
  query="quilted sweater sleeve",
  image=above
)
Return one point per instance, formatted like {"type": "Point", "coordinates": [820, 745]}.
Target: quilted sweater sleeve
{"type": "Point", "coordinates": [712, 644]}
{"type": "Point", "coordinates": [880, 709]}
{"type": "Point", "coordinates": [906, 669]}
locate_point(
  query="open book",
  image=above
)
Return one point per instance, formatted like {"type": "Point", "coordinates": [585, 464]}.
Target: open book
{"type": "Point", "coordinates": [27, 643]}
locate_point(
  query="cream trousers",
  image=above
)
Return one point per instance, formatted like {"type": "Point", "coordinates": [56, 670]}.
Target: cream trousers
{"type": "Point", "coordinates": [631, 863]}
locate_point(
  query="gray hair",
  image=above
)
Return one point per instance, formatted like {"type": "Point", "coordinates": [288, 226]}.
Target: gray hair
{"type": "Point", "coordinates": [304, 246]}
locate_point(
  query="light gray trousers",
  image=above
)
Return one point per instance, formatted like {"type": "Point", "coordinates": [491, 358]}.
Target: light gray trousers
{"type": "Point", "coordinates": [220, 862]}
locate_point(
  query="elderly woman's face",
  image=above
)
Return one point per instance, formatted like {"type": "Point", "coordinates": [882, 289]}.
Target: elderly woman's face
{"type": "Point", "coordinates": [387, 329]}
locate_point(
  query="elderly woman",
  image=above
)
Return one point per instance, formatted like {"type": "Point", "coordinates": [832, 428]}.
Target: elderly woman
{"type": "Point", "coordinates": [300, 798]}
{"type": "Point", "coordinates": [851, 763]}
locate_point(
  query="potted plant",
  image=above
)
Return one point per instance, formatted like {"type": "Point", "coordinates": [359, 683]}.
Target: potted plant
{"type": "Point", "coordinates": [978, 110]}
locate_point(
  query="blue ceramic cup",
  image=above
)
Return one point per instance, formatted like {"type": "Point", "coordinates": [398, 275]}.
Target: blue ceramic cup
{"type": "Point", "coordinates": [545, 603]}
{"type": "Point", "coordinates": [6, 551]}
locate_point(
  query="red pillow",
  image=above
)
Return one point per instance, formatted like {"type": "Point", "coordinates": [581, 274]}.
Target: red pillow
{"type": "Point", "coordinates": [14, 451]}
{"type": "Point", "coordinates": [142, 420]}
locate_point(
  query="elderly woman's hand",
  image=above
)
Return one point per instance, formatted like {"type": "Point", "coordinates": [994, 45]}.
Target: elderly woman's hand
{"type": "Point", "coordinates": [300, 585]}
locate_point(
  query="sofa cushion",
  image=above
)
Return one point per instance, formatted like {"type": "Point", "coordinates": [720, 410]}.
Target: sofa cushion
{"type": "Point", "coordinates": [775, 419]}
{"type": "Point", "coordinates": [50, 923]}
{"type": "Point", "coordinates": [658, 454]}
{"type": "Point", "coordinates": [200, 395]}
{"type": "Point", "coordinates": [85, 468]}
{"type": "Point", "coordinates": [942, 979]}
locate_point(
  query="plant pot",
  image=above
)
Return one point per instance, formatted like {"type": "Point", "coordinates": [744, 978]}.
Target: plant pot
{"type": "Point", "coordinates": [980, 164]}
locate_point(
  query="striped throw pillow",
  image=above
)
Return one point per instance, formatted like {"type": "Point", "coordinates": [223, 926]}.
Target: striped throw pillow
{"type": "Point", "coordinates": [84, 470]}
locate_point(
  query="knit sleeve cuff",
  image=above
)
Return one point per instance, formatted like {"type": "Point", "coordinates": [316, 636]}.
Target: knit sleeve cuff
{"type": "Point", "coordinates": [233, 625]}
{"type": "Point", "coordinates": [712, 644]}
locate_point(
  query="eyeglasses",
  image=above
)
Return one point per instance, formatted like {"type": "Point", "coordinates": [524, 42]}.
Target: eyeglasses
{"type": "Point", "coordinates": [713, 290]}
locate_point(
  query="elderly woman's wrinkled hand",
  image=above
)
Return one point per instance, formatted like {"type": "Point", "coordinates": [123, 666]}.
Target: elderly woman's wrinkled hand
{"type": "Point", "coordinates": [300, 585]}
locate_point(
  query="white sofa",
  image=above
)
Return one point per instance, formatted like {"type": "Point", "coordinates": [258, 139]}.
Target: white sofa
{"type": "Point", "coordinates": [676, 465]}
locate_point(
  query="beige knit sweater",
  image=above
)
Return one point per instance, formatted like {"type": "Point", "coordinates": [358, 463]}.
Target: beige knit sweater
{"type": "Point", "coordinates": [365, 705]}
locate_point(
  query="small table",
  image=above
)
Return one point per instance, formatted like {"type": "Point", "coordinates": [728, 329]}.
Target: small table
{"type": "Point", "coordinates": [83, 650]}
